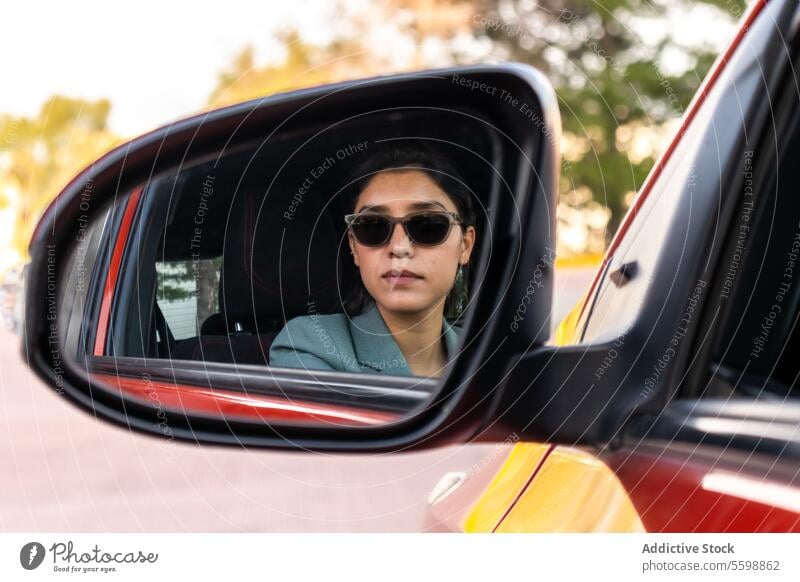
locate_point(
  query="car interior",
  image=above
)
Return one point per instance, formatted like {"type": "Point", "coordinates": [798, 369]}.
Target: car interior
{"type": "Point", "coordinates": [758, 348]}
{"type": "Point", "coordinates": [229, 249]}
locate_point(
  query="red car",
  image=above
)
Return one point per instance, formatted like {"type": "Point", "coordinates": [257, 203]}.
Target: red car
{"type": "Point", "coordinates": [667, 401]}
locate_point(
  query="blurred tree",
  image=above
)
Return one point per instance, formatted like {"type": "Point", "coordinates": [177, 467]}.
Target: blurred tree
{"type": "Point", "coordinates": [174, 281]}
{"type": "Point", "coordinates": [621, 75]}
{"type": "Point", "coordinates": [304, 65]}
{"type": "Point", "coordinates": [39, 155]}
{"type": "Point", "coordinates": [623, 70]}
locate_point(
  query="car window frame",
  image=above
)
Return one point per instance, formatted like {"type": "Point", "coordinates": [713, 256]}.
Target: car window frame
{"type": "Point", "coordinates": [770, 149]}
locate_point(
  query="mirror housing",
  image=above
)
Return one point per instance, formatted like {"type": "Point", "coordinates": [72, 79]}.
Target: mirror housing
{"type": "Point", "coordinates": [510, 312]}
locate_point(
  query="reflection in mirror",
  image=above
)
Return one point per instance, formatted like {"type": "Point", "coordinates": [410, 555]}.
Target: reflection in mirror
{"type": "Point", "coordinates": [320, 277]}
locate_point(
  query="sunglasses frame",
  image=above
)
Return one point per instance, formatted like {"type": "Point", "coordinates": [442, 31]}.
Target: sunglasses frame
{"type": "Point", "coordinates": [403, 220]}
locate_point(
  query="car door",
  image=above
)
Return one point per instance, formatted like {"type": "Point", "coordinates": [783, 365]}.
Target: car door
{"type": "Point", "coordinates": [690, 463]}
{"type": "Point", "coordinates": [719, 457]}
{"type": "Point", "coordinates": [724, 455]}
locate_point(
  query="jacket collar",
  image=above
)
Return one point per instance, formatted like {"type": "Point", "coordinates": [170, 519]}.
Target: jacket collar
{"type": "Point", "coordinates": [376, 348]}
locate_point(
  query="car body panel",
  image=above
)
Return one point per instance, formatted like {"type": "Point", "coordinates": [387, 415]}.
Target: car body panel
{"type": "Point", "coordinates": [568, 331]}
{"type": "Point", "coordinates": [476, 500]}
{"type": "Point", "coordinates": [233, 405]}
{"type": "Point", "coordinates": [538, 488]}
{"type": "Point", "coordinates": [573, 491]}
{"type": "Point", "coordinates": [684, 493]}
{"type": "Point", "coordinates": [521, 466]}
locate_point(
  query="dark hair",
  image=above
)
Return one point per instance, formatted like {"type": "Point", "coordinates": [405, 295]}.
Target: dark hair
{"type": "Point", "coordinates": [438, 168]}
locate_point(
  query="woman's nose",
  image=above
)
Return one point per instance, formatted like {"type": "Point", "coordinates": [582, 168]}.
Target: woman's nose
{"type": "Point", "coordinates": [399, 243]}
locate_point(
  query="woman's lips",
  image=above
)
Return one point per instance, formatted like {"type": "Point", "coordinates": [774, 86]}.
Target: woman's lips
{"type": "Point", "coordinates": [401, 277]}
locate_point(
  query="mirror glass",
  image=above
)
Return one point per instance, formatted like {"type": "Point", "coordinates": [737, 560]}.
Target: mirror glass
{"type": "Point", "coordinates": [320, 276]}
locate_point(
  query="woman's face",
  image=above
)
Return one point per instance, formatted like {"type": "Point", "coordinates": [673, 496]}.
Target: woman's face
{"type": "Point", "coordinates": [430, 271]}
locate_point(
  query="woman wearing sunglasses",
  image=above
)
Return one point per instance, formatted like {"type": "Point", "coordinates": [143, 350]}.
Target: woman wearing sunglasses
{"type": "Point", "coordinates": [410, 233]}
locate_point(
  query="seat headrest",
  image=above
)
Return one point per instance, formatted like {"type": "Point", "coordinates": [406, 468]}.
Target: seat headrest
{"type": "Point", "coordinates": [279, 255]}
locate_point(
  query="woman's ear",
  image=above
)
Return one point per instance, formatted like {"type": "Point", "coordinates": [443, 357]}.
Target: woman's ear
{"type": "Point", "coordinates": [467, 244]}
{"type": "Point", "coordinates": [352, 244]}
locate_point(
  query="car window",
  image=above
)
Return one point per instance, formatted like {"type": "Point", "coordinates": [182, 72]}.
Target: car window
{"type": "Point", "coordinates": [247, 259]}
{"type": "Point", "coordinates": [758, 349]}
{"type": "Point", "coordinates": [616, 303]}
{"type": "Point", "coordinates": [84, 268]}
{"type": "Point", "coordinates": [187, 294]}
{"type": "Point", "coordinates": [687, 194]}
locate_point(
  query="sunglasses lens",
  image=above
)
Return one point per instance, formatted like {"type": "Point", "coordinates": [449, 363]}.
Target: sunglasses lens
{"type": "Point", "coordinates": [371, 230]}
{"type": "Point", "coordinates": [429, 229]}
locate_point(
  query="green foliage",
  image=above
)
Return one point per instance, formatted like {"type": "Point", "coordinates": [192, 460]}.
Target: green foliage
{"type": "Point", "coordinates": [607, 76]}
{"type": "Point", "coordinates": [174, 281]}
{"type": "Point", "coordinates": [42, 153]}
{"type": "Point", "coordinates": [304, 65]}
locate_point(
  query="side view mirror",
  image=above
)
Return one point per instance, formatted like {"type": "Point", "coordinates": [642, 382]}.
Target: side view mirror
{"type": "Point", "coordinates": [161, 276]}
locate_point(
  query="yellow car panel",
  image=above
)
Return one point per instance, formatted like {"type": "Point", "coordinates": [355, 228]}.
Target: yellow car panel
{"type": "Point", "coordinates": [567, 331]}
{"type": "Point", "coordinates": [506, 486]}
{"type": "Point", "coordinates": [573, 491]}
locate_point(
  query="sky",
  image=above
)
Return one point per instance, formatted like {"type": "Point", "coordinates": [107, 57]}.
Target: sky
{"type": "Point", "coordinates": [156, 61]}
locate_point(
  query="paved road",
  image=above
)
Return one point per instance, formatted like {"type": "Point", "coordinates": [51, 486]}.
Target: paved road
{"type": "Point", "coordinates": [60, 470]}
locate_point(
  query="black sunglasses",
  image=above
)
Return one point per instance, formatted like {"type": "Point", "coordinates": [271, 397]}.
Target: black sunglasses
{"type": "Point", "coordinates": [423, 228]}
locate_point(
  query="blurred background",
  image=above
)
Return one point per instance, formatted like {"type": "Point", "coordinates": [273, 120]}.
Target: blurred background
{"type": "Point", "coordinates": [79, 78]}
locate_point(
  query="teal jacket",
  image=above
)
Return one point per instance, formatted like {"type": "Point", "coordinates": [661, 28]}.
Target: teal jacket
{"type": "Point", "coordinates": [336, 342]}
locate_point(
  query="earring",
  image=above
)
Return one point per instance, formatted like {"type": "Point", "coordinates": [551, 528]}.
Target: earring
{"type": "Point", "coordinates": [460, 294]}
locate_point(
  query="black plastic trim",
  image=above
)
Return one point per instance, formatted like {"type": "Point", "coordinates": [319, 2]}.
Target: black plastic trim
{"type": "Point", "coordinates": [391, 394]}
